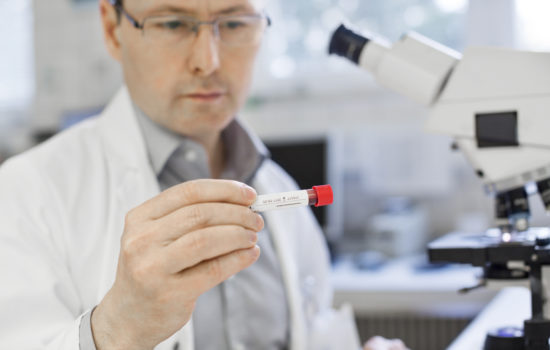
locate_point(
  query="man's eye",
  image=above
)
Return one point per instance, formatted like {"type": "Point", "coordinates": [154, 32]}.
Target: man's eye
{"type": "Point", "coordinates": [234, 24]}
{"type": "Point", "coordinates": [173, 25]}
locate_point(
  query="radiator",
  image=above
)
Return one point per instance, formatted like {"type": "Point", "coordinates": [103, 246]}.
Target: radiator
{"type": "Point", "coordinates": [417, 331]}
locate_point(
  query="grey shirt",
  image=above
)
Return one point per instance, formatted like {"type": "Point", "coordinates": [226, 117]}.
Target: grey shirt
{"type": "Point", "coordinates": [249, 310]}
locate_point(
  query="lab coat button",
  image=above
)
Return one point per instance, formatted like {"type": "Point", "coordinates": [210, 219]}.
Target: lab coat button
{"type": "Point", "coordinates": [238, 346]}
{"type": "Point", "coordinates": [191, 156]}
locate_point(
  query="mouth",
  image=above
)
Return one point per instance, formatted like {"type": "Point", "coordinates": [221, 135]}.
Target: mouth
{"type": "Point", "coordinates": [209, 96]}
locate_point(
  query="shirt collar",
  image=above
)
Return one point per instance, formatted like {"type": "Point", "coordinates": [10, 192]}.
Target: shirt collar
{"type": "Point", "coordinates": [245, 152]}
{"type": "Point", "coordinates": [159, 141]}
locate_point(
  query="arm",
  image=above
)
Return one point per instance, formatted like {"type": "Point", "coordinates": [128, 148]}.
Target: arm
{"type": "Point", "coordinates": [158, 278]}
{"type": "Point", "coordinates": [39, 305]}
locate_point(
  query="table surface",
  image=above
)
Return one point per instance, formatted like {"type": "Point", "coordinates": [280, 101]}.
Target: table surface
{"type": "Point", "coordinates": [400, 286]}
{"type": "Point", "coordinates": [510, 307]}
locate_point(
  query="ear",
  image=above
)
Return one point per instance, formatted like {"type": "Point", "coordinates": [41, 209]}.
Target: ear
{"type": "Point", "coordinates": [111, 28]}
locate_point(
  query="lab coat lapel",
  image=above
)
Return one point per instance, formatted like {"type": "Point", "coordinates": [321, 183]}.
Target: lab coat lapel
{"type": "Point", "coordinates": [134, 182]}
{"type": "Point", "coordinates": [280, 228]}
{"type": "Point", "coordinates": [131, 178]}
{"type": "Point", "coordinates": [124, 144]}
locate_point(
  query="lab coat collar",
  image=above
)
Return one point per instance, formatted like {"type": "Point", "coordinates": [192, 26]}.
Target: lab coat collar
{"type": "Point", "coordinates": [121, 134]}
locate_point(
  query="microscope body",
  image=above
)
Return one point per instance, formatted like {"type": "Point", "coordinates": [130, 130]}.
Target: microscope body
{"type": "Point", "coordinates": [494, 102]}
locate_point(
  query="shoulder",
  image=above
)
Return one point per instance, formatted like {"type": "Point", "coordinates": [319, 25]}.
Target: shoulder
{"type": "Point", "coordinates": [68, 147]}
{"type": "Point", "coordinates": [56, 165]}
{"type": "Point", "coordinates": [65, 145]}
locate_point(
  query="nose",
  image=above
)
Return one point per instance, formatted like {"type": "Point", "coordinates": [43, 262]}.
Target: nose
{"type": "Point", "coordinates": [204, 56]}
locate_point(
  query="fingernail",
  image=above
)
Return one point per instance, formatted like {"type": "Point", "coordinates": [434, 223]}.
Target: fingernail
{"type": "Point", "coordinates": [259, 222]}
{"type": "Point", "coordinates": [253, 236]}
{"type": "Point", "coordinates": [249, 192]}
{"type": "Point", "coordinates": [254, 252]}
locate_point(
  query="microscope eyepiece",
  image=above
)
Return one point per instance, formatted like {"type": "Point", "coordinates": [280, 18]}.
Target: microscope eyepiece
{"type": "Point", "coordinates": [544, 191]}
{"type": "Point", "coordinates": [347, 43]}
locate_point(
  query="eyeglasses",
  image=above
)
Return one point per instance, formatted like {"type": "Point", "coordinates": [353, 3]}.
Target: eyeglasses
{"type": "Point", "coordinates": [237, 30]}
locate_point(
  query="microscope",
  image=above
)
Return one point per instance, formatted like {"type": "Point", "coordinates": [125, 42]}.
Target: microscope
{"type": "Point", "coordinates": [495, 103]}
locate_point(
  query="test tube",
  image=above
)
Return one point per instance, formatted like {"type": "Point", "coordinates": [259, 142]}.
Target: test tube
{"type": "Point", "coordinates": [317, 196]}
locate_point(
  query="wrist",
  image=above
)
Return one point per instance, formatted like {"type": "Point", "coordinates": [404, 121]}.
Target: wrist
{"type": "Point", "coordinates": [111, 333]}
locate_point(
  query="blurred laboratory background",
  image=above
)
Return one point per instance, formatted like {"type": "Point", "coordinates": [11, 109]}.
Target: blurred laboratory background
{"type": "Point", "coordinates": [396, 187]}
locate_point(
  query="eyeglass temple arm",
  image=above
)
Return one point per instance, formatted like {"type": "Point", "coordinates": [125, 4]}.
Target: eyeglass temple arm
{"type": "Point", "coordinates": [118, 5]}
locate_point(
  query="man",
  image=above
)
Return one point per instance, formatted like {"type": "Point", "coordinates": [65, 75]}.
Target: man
{"type": "Point", "coordinates": [114, 237]}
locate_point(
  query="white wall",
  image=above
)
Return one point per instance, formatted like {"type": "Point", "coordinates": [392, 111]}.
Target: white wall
{"type": "Point", "coordinates": [73, 70]}
{"type": "Point", "coordinates": [491, 23]}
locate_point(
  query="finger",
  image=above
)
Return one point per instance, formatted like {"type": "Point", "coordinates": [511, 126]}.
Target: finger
{"type": "Point", "coordinates": [197, 191]}
{"type": "Point", "coordinates": [199, 216]}
{"type": "Point", "coordinates": [208, 274]}
{"type": "Point", "coordinates": [397, 344]}
{"type": "Point", "coordinates": [375, 343]}
{"type": "Point", "coordinates": [375, 340]}
{"type": "Point", "coordinates": [206, 244]}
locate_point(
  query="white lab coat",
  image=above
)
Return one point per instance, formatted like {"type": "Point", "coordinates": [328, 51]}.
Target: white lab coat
{"type": "Point", "coordinates": [62, 209]}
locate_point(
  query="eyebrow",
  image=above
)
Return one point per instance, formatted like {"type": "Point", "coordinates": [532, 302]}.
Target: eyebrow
{"type": "Point", "coordinates": [233, 9]}
{"type": "Point", "coordinates": [182, 10]}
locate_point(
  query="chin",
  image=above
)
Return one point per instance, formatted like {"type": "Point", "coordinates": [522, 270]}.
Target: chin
{"type": "Point", "coordinates": [201, 124]}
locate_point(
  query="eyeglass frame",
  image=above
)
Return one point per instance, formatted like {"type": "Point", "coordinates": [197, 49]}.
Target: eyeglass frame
{"type": "Point", "coordinates": [117, 4]}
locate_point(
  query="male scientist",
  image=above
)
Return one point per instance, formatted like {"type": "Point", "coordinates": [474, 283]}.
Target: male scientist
{"type": "Point", "coordinates": [133, 230]}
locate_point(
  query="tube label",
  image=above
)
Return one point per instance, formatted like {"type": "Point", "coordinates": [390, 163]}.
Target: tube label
{"type": "Point", "coordinates": [280, 200]}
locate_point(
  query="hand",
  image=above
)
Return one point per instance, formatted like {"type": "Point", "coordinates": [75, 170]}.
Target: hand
{"type": "Point", "coordinates": [175, 247]}
{"type": "Point", "coordinates": [380, 343]}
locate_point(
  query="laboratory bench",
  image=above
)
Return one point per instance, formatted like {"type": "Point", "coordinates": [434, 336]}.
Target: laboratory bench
{"type": "Point", "coordinates": [410, 299]}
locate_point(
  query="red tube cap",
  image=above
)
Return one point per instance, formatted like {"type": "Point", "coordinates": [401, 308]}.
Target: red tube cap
{"type": "Point", "coordinates": [324, 195]}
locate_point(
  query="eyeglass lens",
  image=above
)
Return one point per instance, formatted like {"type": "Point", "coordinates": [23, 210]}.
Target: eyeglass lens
{"type": "Point", "coordinates": [237, 30]}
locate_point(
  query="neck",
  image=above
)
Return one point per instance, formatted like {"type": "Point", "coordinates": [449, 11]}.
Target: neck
{"type": "Point", "coordinates": [215, 150]}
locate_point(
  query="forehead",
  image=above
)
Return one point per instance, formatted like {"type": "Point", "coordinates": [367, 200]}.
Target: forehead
{"type": "Point", "coordinates": [197, 6]}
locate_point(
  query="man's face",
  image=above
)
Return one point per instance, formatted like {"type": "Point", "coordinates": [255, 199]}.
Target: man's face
{"type": "Point", "coordinates": [195, 87]}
